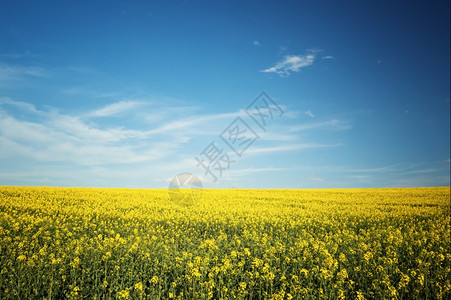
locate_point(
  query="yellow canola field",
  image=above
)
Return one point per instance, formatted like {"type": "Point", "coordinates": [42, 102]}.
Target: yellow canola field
{"type": "Point", "coordinates": [81, 243]}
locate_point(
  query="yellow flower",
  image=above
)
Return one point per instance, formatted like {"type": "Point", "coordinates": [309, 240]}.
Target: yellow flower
{"type": "Point", "coordinates": [304, 272]}
{"type": "Point", "coordinates": [368, 256]}
{"type": "Point", "coordinates": [405, 279]}
{"type": "Point", "coordinates": [154, 280]}
{"type": "Point", "coordinates": [360, 296]}
{"type": "Point", "coordinates": [75, 262]}
{"type": "Point", "coordinates": [342, 258]}
{"type": "Point", "coordinates": [106, 256]}
{"type": "Point", "coordinates": [139, 286]}
{"type": "Point", "coordinates": [75, 291]}
{"type": "Point", "coordinates": [420, 279]}
{"type": "Point", "coordinates": [21, 258]}
{"type": "Point", "coordinates": [124, 294]}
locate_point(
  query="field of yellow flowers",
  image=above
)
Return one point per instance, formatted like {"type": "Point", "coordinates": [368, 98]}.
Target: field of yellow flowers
{"type": "Point", "coordinates": [81, 243]}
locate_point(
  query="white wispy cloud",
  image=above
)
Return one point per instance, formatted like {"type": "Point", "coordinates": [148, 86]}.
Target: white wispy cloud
{"type": "Point", "coordinates": [237, 177]}
{"type": "Point", "coordinates": [310, 114]}
{"type": "Point", "coordinates": [193, 122]}
{"type": "Point", "coordinates": [160, 114]}
{"type": "Point", "coordinates": [62, 137]}
{"type": "Point", "coordinates": [116, 108]}
{"type": "Point", "coordinates": [82, 69]}
{"type": "Point", "coordinates": [276, 135]}
{"type": "Point", "coordinates": [256, 43]}
{"type": "Point", "coordinates": [420, 171]}
{"type": "Point", "coordinates": [400, 169]}
{"type": "Point", "coordinates": [291, 63]}
{"type": "Point", "coordinates": [20, 104]}
{"type": "Point", "coordinates": [25, 54]}
{"type": "Point", "coordinates": [289, 147]}
{"type": "Point", "coordinates": [328, 57]}
{"type": "Point", "coordinates": [317, 179]}
{"type": "Point", "coordinates": [247, 171]}
{"type": "Point", "coordinates": [13, 72]}
{"type": "Point", "coordinates": [400, 174]}
{"type": "Point", "coordinates": [331, 124]}
{"type": "Point", "coordinates": [391, 168]}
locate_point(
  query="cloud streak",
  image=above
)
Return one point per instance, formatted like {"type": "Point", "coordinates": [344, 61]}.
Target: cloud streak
{"type": "Point", "coordinates": [290, 64]}
{"type": "Point", "coordinates": [290, 147]}
{"type": "Point", "coordinates": [12, 72]}
{"type": "Point", "coordinates": [310, 114]}
{"type": "Point", "coordinates": [331, 124]}
{"type": "Point", "coordinates": [116, 108]}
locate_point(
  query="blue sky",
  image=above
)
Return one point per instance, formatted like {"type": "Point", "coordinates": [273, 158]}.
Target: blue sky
{"type": "Point", "coordinates": [130, 93]}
